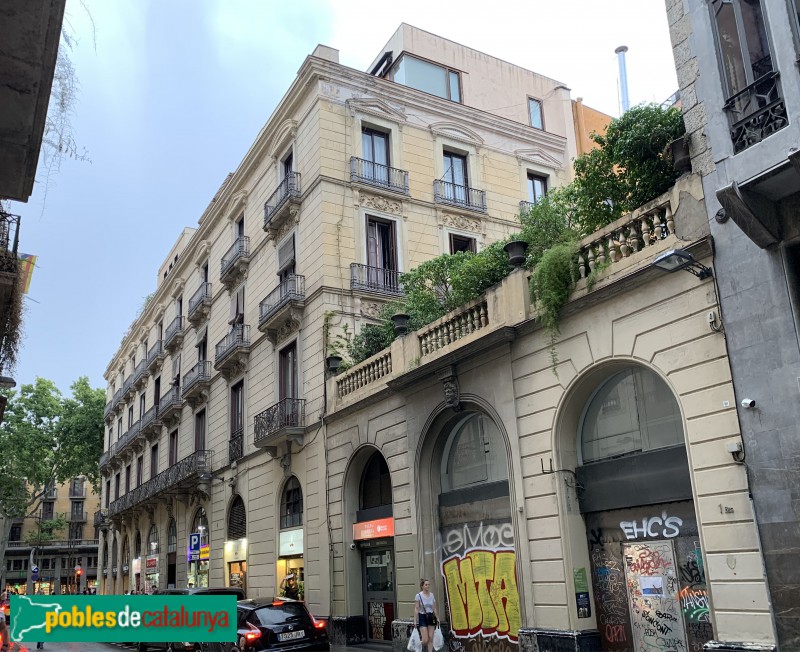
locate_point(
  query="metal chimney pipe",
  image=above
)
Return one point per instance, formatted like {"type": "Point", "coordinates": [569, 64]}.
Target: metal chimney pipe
{"type": "Point", "coordinates": [623, 77]}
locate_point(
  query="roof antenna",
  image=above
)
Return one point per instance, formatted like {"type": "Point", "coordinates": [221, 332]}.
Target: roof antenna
{"type": "Point", "coordinates": [623, 77]}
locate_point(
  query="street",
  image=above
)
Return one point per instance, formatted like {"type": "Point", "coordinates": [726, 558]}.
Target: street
{"type": "Point", "coordinates": [70, 647]}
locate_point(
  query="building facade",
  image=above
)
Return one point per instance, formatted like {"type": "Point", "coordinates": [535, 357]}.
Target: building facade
{"type": "Point", "coordinates": [740, 90]}
{"type": "Point", "coordinates": [215, 462]}
{"type": "Point", "coordinates": [67, 560]}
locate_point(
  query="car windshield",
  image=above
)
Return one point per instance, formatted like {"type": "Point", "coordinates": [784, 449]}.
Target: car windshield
{"type": "Point", "coordinates": [271, 615]}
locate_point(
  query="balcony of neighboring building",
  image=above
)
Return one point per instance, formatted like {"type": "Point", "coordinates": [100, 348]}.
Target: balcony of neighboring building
{"type": "Point", "coordinates": [155, 357]}
{"type": "Point", "coordinates": [283, 307]}
{"type": "Point", "coordinates": [151, 423]}
{"type": "Point", "coordinates": [283, 204]}
{"type": "Point", "coordinates": [233, 351]}
{"type": "Point", "coordinates": [281, 423]}
{"type": "Point", "coordinates": [67, 545]}
{"type": "Point", "coordinates": [378, 176]}
{"type": "Point", "coordinates": [101, 520]}
{"type": "Point", "coordinates": [375, 279]}
{"type": "Point", "coordinates": [234, 264]}
{"type": "Point", "coordinates": [141, 374]}
{"type": "Point", "coordinates": [171, 405]}
{"type": "Point", "coordinates": [184, 478]}
{"type": "Point", "coordinates": [173, 337]}
{"type": "Point", "coordinates": [197, 382]}
{"type": "Point", "coordinates": [200, 305]}
{"type": "Point", "coordinates": [452, 194]}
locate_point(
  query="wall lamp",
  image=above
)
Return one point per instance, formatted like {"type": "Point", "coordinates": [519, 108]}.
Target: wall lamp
{"type": "Point", "coordinates": [675, 259]}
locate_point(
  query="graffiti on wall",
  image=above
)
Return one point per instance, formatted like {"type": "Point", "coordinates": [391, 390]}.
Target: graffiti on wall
{"type": "Point", "coordinates": [480, 575]}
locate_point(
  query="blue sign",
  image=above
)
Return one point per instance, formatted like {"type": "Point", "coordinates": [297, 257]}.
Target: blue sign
{"type": "Point", "coordinates": [35, 573]}
{"type": "Point", "coordinates": [194, 543]}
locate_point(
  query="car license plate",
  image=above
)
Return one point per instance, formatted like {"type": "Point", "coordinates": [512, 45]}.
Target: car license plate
{"type": "Point", "coordinates": [291, 636]}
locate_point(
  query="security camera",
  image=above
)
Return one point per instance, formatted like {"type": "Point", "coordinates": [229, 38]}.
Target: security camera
{"type": "Point", "coordinates": [748, 403]}
{"type": "Point", "coordinates": [352, 546]}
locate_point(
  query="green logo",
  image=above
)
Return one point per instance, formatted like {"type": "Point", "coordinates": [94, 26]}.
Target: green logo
{"type": "Point", "coordinates": [121, 618]}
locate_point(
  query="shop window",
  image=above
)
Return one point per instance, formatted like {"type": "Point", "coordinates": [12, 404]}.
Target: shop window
{"type": "Point", "coordinates": [237, 520]}
{"type": "Point", "coordinates": [631, 412]}
{"type": "Point", "coordinates": [376, 483]}
{"type": "Point", "coordinates": [291, 504]}
{"type": "Point", "coordinates": [198, 568]}
{"type": "Point", "coordinates": [474, 454]}
{"type": "Point", "coordinates": [152, 540]}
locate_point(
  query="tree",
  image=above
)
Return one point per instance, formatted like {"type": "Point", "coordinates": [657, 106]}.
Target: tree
{"type": "Point", "coordinates": [47, 439]}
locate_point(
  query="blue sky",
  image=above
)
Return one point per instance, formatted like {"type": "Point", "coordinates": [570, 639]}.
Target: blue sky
{"type": "Point", "coordinates": [173, 92]}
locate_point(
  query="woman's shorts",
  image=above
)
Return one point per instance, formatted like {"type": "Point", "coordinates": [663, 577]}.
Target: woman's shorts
{"type": "Point", "coordinates": [427, 620]}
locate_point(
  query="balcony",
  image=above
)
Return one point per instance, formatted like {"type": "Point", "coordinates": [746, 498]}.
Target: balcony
{"type": "Point", "coordinates": [108, 410]}
{"type": "Point", "coordinates": [173, 338]}
{"type": "Point", "coordinates": [127, 388]}
{"type": "Point", "coordinates": [283, 422]}
{"type": "Point", "coordinates": [77, 517]}
{"type": "Point", "coordinates": [453, 194]}
{"type": "Point", "coordinates": [116, 402]}
{"type": "Point", "coordinates": [233, 351]}
{"type": "Point", "coordinates": [196, 383]}
{"type": "Point", "coordinates": [200, 305]}
{"type": "Point", "coordinates": [105, 459]}
{"type": "Point", "coordinates": [283, 204]}
{"type": "Point", "coordinates": [155, 357]}
{"type": "Point", "coordinates": [171, 405]}
{"type": "Point", "coordinates": [70, 544]}
{"type": "Point", "coordinates": [757, 111]}
{"type": "Point", "coordinates": [378, 176]}
{"type": "Point", "coordinates": [181, 479]}
{"type": "Point", "coordinates": [134, 430]}
{"type": "Point", "coordinates": [375, 279]}
{"type": "Point", "coordinates": [234, 264]}
{"type": "Point", "coordinates": [236, 446]}
{"type": "Point", "coordinates": [140, 375]}
{"type": "Point", "coordinates": [151, 423]}
{"type": "Point", "coordinates": [282, 310]}
{"type": "Point", "coordinates": [101, 519]}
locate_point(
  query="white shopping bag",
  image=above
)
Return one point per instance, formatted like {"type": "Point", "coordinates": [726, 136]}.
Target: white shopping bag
{"type": "Point", "coordinates": [438, 639]}
{"type": "Point", "coordinates": [414, 641]}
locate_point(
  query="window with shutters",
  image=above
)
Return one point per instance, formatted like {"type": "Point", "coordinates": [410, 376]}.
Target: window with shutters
{"type": "Point", "coordinates": [200, 431]}
{"type": "Point", "coordinates": [237, 307]}
{"type": "Point", "coordinates": [139, 470]}
{"type": "Point", "coordinates": [119, 428]}
{"type": "Point", "coordinates": [153, 461]}
{"type": "Point", "coordinates": [176, 370]}
{"type": "Point", "coordinates": [48, 509]}
{"type": "Point", "coordinates": [237, 409]}
{"type": "Point", "coordinates": [287, 368]}
{"type": "Point", "coordinates": [173, 447]}
{"type": "Point", "coordinates": [141, 404]}
{"type": "Point", "coordinates": [130, 416]}
{"type": "Point", "coordinates": [127, 478]}
{"type": "Point", "coordinates": [286, 258]}
{"type": "Point", "coordinates": [237, 520]}
{"type": "Point", "coordinates": [202, 345]}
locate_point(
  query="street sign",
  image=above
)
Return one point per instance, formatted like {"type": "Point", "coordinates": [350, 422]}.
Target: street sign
{"type": "Point", "coordinates": [194, 543]}
{"type": "Point", "coordinates": [35, 570]}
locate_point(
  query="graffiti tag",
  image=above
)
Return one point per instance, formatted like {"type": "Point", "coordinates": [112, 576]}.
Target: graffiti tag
{"type": "Point", "coordinates": [654, 527]}
{"type": "Point", "coordinates": [485, 536]}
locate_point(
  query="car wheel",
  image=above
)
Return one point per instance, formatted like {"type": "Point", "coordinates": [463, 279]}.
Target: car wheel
{"type": "Point", "coordinates": [142, 647]}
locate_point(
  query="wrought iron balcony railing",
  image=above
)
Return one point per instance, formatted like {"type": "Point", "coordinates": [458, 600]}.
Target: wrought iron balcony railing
{"type": "Point", "coordinates": [117, 399]}
{"type": "Point", "coordinates": [292, 288]}
{"type": "Point", "coordinates": [100, 517]}
{"type": "Point", "coordinates": [9, 242]}
{"type": "Point", "coordinates": [375, 174]}
{"type": "Point", "coordinates": [375, 279]}
{"type": "Point", "coordinates": [453, 194]}
{"type": "Point", "coordinates": [288, 413]}
{"type": "Point", "coordinates": [236, 446]}
{"type": "Point", "coordinates": [57, 543]}
{"type": "Point", "coordinates": [200, 303]}
{"type": "Point", "coordinates": [188, 469]}
{"type": "Point", "coordinates": [77, 517]}
{"type": "Point", "coordinates": [239, 250]}
{"type": "Point", "coordinates": [171, 403]}
{"type": "Point", "coordinates": [757, 111]}
{"type": "Point", "coordinates": [198, 375]}
{"type": "Point", "coordinates": [239, 337]}
{"type": "Point", "coordinates": [133, 432]}
{"type": "Point", "coordinates": [288, 189]}
{"type": "Point", "coordinates": [107, 410]}
{"type": "Point", "coordinates": [155, 355]}
{"type": "Point", "coordinates": [105, 458]}
{"type": "Point", "coordinates": [174, 334]}
{"type": "Point", "coordinates": [140, 373]}
{"type": "Point", "coordinates": [150, 420]}
{"type": "Point", "coordinates": [127, 386]}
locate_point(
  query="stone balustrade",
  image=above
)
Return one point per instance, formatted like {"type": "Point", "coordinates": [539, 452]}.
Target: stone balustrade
{"type": "Point", "coordinates": [454, 326]}
{"type": "Point", "coordinates": [364, 373]}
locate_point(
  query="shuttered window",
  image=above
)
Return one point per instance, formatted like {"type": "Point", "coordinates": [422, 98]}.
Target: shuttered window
{"type": "Point", "coordinates": [237, 520]}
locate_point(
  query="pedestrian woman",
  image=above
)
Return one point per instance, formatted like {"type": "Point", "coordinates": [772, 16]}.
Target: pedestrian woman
{"type": "Point", "coordinates": [426, 614]}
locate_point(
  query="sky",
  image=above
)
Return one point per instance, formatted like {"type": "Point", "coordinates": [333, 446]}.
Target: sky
{"type": "Point", "coordinates": [172, 93]}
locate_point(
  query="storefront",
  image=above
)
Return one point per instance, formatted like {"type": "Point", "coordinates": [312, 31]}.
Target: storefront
{"type": "Point", "coordinates": [290, 557]}
{"type": "Point", "coordinates": [136, 569]}
{"type": "Point", "coordinates": [236, 545]}
{"type": "Point", "coordinates": [291, 564]}
{"type": "Point", "coordinates": [172, 553]}
{"type": "Point", "coordinates": [197, 573]}
{"type": "Point", "coordinates": [151, 561]}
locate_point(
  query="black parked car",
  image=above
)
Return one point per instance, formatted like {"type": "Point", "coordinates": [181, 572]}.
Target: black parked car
{"type": "Point", "coordinates": [279, 624]}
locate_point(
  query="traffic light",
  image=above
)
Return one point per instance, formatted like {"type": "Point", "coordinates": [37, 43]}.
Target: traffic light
{"type": "Point", "coordinates": [78, 572]}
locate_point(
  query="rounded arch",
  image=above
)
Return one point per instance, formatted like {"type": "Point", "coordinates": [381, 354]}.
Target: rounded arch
{"type": "Point", "coordinates": [237, 519]}
{"type": "Point", "coordinates": [172, 536]}
{"type": "Point", "coordinates": [152, 540]}
{"type": "Point", "coordinates": [375, 487]}
{"type": "Point", "coordinates": [200, 524]}
{"type": "Point", "coordinates": [126, 554]}
{"type": "Point", "coordinates": [291, 507]}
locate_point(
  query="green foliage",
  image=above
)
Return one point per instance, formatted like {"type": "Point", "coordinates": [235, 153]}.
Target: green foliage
{"type": "Point", "coordinates": [45, 531]}
{"type": "Point", "coordinates": [552, 281]}
{"type": "Point", "coordinates": [548, 222]}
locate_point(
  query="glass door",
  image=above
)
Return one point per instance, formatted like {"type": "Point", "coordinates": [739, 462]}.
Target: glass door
{"type": "Point", "coordinates": [378, 564]}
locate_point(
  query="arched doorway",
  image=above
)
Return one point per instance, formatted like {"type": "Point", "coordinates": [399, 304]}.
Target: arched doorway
{"type": "Point", "coordinates": [137, 562]}
{"type": "Point", "coordinates": [198, 568]}
{"type": "Point", "coordinates": [291, 564]}
{"type": "Point", "coordinates": [151, 560]}
{"type": "Point", "coordinates": [126, 557]}
{"type": "Point", "coordinates": [634, 492]}
{"type": "Point", "coordinates": [472, 520]}
{"type": "Point", "coordinates": [236, 544]}
{"type": "Point", "coordinates": [172, 553]}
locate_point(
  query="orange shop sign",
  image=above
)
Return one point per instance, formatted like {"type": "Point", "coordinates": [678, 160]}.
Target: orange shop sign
{"type": "Point", "coordinates": [377, 529]}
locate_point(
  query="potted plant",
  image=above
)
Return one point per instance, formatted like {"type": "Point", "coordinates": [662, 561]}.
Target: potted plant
{"type": "Point", "coordinates": [333, 362]}
{"type": "Point", "coordinates": [400, 321]}
{"type": "Point", "coordinates": [516, 252]}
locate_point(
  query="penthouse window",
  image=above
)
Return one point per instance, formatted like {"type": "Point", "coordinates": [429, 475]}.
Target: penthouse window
{"type": "Point", "coordinates": [427, 76]}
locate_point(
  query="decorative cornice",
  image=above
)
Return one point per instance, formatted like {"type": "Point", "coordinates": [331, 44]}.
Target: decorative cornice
{"type": "Point", "coordinates": [203, 250]}
{"type": "Point", "coordinates": [375, 107]}
{"type": "Point", "coordinates": [378, 203]}
{"type": "Point", "coordinates": [539, 156]}
{"type": "Point", "coordinates": [236, 205]}
{"type": "Point", "coordinates": [178, 286]}
{"type": "Point", "coordinates": [456, 131]}
{"type": "Point", "coordinates": [463, 222]}
{"type": "Point", "coordinates": [285, 133]}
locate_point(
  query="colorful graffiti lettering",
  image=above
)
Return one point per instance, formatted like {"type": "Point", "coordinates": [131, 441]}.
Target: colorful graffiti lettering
{"type": "Point", "coordinates": [649, 562]}
{"type": "Point", "coordinates": [694, 603]}
{"type": "Point", "coordinates": [482, 593]}
{"type": "Point", "coordinates": [615, 634]}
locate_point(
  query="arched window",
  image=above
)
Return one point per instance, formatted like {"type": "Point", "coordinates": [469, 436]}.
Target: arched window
{"type": "Point", "coordinates": [291, 504]}
{"type": "Point", "coordinates": [114, 554]}
{"type": "Point", "coordinates": [200, 524]}
{"type": "Point", "coordinates": [137, 544]}
{"type": "Point", "coordinates": [104, 557]}
{"type": "Point", "coordinates": [152, 540]}
{"type": "Point", "coordinates": [631, 412]}
{"type": "Point", "coordinates": [237, 520]}
{"type": "Point", "coordinates": [172, 536]}
{"type": "Point", "coordinates": [474, 454]}
{"type": "Point", "coordinates": [125, 552]}
{"type": "Point", "coordinates": [376, 483]}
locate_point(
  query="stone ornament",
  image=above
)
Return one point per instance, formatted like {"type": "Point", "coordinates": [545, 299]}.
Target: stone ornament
{"type": "Point", "coordinates": [462, 222]}
{"type": "Point", "coordinates": [452, 393]}
{"type": "Point", "coordinates": [380, 204]}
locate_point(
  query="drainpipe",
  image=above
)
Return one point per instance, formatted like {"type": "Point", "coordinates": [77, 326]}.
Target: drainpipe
{"type": "Point", "coordinates": [623, 77]}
